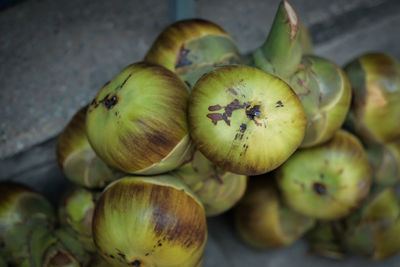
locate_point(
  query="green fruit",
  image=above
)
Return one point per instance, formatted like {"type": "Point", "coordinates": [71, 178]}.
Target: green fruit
{"type": "Point", "coordinates": [150, 221]}
{"type": "Point", "coordinates": [262, 221]}
{"type": "Point", "coordinates": [375, 110]}
{"type": "Point", "coordinates": [325, 92]}
{"type": "Point", "coordinates": [244, 120]}
{"type": "Point", "coordinates": [77, 159]}
{"type": "Point", "coordinates": [327, 181]}
{"type": "Point", "coordinates": [76, 212]}
{"type": "Point", "coordinates": [217, 189]}
{"type": "Point", "coordinates": [374, 229]}
{"type": "Point", "coordinates": [282, 51]}
{"type": "Point", "coordinates": [193, 47]}
{"type": "Point", "coordinates": [137, 122]}
{"type": "Point", "coordinates": [385, 163]}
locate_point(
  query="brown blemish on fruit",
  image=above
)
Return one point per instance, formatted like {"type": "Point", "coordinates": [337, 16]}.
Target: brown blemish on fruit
{"type": "Point", "coordinates": [319, 189]}
{"type": "Point", "coordinates": [243, 127]}
{"type": "Point", "coordinates": [234, 105]}
{"type": "Point", "coordinates": [182, 59]}
{"type": "Point", "coordinates": [122, 255]}
{"type": "Point", "coordinates": [60, 259]}
{"type": "Point", "coordinates": [279, 104]}
{"type": "Point", "coordinates": [233, 91]}
{"type": "Point", "coordinates": [214, 108]}
{"type": "Point", "coordinates": [124, 82]}
{"type": "Point", "coordinates": [292, 20]}
{"type": "Point", "coordinates": [135, 263]}
{"type": "Point", "coordinates": [215, 117]}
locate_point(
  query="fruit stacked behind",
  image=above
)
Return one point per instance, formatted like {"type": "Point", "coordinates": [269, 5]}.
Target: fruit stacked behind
{"type": "Point", "coordinates": [173, 139]}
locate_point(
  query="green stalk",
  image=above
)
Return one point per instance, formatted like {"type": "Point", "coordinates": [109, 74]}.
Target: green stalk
{"type": "Point", "coordinates": [282, 51]}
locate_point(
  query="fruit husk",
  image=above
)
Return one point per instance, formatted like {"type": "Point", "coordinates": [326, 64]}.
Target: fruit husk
{"type": "Point", "coordinates": [262, 220]}
{"type": "Point", "coordinates": [325, 92]}
{"type": "Point", "coordinates": [137, 123]}
{"type": "Point", "coordinates": [76, 158]}
{"type": "Point", "coordinates": [244, 120]}
{"type": "Point", "coordinates": [27, 235]}
{"type": "Point", "coordinates": [217, 189]}
{"type": "Point", "coordinates": [375, 111]}
{"type": "Point", "coordinates": [374, 229]}
{"type": "Point", "coordinates": [282, 51]}
{"type": "Point", "coordinates": [76, 213]}
{"type": "Point", "coordinates": [160, 223]}
{"type": "Point", "coordinates": [193, 47]}
{"type": "Point", "coordinates": [385, 163]}
{"type": "Point", "coordinates": [328, 181]}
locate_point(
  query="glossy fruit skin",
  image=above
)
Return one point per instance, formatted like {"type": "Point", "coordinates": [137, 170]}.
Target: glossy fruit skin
{"type": "Point", "coordinates": [137, 123]}
{"type": "Point", "coordinates": [375, 109]}
{"type": "Point", "coordinates": [193, 47]}
{"type": "Point", "coordinates": [217, 189]}
{"type": "Point", "coordinates": [150, 221]}
{"type": "Point", "coordinates": [328, 181]}
{"type": "Point", "coordinates": [325, 92]}
{"type": "Point", "coordinates": [263, 221]}
{"type": "Point", "coordinates": [76, 158]}
{"type": "Point", "coordinates": [244, 120]}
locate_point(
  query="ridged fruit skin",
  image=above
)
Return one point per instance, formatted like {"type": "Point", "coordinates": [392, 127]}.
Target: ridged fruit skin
{"type": "Point", "coordinates": [375, 109]}
{"type": "Point", "coordinates": [374, 229]}
{"type": "Point", "coordinates": [75, 211]}
{"type": "Point", "coordinates": [385, 162]}
{"type": "Point", "coordinates": [244, 120]}
{"type": "Point", "coordinates": [263, 221]}
{"type": "Point", "coordinates": [137, 123]}
{"type": "Point", "coordinates": [27, 231]}
{"type": "Point", "coordinates": [76, 158]}
{"type": "Point", "coordinates": [328, 181]}
{"type": "Point", "coordinates": [325, 92]}
{"type": "Point", "coordinates": [217, 189]}
{"type": "Point", "coordinates": [193, 47]}
{"type": "Point", "coordinates": [150, 221]}
{"type": "Point", "coordinates": [281, 53]}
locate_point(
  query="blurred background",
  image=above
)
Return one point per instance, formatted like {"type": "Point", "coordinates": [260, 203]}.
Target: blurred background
{"type": "Point", "coordinates": [55, 55]}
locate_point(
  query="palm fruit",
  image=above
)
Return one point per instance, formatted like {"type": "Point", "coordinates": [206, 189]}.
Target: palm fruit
{"type": "Point", "coordinates": [375, 111]}
{"type": "Point", "coordinates": [193, 47]}
{"type": "Point", "coordinates": [385, 163]}
{"type": "Point", "coordinates": [305, 40]}
{"type": "Point", "coordinates": [282, 51]}
{"type": "Point", "coordinates": [137, 123]}
{"type": "Point", "coordinates": [326, 239]}
{"type": "Point", "coordinates": [244, 120]}
{"type": "Point", "coordinates": [374, 229]}
{"type": "Point", "coordinates": [263, 221]}
{"type": "Point", "coordinates": [328, 181]}
{"type": "Point", "coordinates": [27, 231]}
{"type": "Point", "coordinates": [150, 221]}
{"type": "Point", "coordinates": [325, 92]}
{"type": "Point", "coordinates": [76, 213]}
{"type": "Point", "coordinates": [77, 159]}
{"type": "Point", "coordinates": [217, 189]}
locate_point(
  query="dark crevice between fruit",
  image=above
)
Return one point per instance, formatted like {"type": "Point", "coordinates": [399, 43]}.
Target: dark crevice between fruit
{"type": "Point", "coordinates": [61, 259]}
{"type": "Point", "coordinates": [319, 189]}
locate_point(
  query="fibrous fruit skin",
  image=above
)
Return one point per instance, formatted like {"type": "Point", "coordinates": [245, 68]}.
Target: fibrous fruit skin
{"type": "Point", "coordinates": [375, 109]}
{"type": "Point", "coordinates": [328, 181]}
{"type": "Point", "coordinates": [325, 92]}
{"type": "Point", "coordinates": [150, 221]}
{"type": "Point", "coordinates": [76, 158]}
{"type": "Point", "coordinates": [244, 120]}
{"type": "Point", "coordinates": [193, 47]}
{"type": "Point", "coordinates": [137, 123]}
{"type": "Point", "coordinates": [217, 189]}
{"type": "Point", "coordinates": [263, 221]}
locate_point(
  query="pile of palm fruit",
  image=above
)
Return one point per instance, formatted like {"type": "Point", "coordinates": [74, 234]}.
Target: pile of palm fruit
{"type": "Point", "coordinates": [288, 141]}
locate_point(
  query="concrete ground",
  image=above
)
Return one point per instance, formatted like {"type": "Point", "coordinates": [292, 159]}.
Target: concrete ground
{"type": "Point", "coordinates": [55, 55]}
